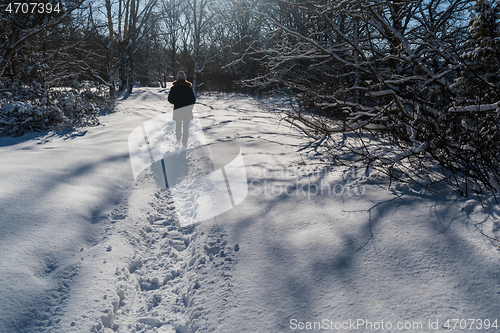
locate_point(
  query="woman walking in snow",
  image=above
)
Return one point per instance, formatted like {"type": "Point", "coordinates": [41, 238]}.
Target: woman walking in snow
{"type": "Point", "coordinates": [181, 95]}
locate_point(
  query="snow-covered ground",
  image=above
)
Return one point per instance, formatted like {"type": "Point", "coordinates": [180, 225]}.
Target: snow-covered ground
{"type": "Point", "coordinates": [85, 248]}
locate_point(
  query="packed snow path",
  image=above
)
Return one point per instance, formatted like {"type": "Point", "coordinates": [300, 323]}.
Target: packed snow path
{"type": "Point", "coordinates": [86, 249]}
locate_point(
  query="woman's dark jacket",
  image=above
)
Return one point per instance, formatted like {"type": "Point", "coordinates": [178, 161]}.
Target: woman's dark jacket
{"type": "Point", "coordinates": [181, 95]}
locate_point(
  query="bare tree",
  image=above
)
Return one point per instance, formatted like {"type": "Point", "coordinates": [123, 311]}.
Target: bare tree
{"type": "Point", "coordinates": [240, 33]}
{"type": "Point", "coordinates": [110, 48]}
{"type": "Point", "coordinates": [202, 14]}
{"type": "Point", "coordinates": [172, 11]}
{"type": "Point", "coordinates": [17, 31]}
{"type": "Point", "coordinates": [136, 17]}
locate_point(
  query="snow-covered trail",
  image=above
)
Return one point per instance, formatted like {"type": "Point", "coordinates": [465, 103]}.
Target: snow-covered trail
{"type": "Point", "coordinates": [83, 248]}
{"type": "Point", "coordinates": [55, 191]}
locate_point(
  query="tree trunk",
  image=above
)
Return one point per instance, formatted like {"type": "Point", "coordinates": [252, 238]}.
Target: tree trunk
{"type": "Point", "coordinates": [122, 47]}
{"type": "Point", "coordinates": [174, 57]}
{"type": "Point", "coordinates": [110, 49]}
{"type": "Point", "coordinates": [131, 46]}
{"type": "Point", "coordinates": [196, 22]}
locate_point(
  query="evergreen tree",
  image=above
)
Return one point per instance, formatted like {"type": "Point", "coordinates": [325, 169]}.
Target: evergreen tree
{"type": "Point", "coordinates": [479, 82]}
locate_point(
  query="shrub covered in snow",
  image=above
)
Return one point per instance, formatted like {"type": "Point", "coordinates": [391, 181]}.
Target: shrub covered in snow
{"type": "Point", "coordinates": [410, 89]}
{"type": "Point", "coordinates": [36, 108]}
{"type": "Point", "coordinates": [16, 118]}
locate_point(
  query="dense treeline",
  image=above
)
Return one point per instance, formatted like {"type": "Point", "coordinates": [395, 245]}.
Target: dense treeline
{"type": "Point", "coordinates": [119, 42]}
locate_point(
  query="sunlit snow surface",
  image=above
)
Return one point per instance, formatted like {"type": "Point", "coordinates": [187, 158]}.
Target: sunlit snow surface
{"type": "Point", "coordinates": [85, 247]}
